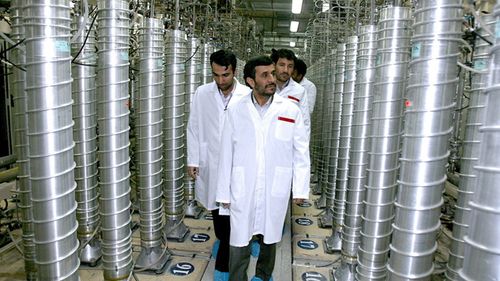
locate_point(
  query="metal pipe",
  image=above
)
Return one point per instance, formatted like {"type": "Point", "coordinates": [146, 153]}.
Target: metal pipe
{"type": "Point", "coordinates": [358, 152]}
{"type": "Point", "coordinates": [331, 153]}
{"type": "Point", "coordinates": [9, 159]}
{"type": "Point", "coordinates": [9, 175]}
{"type": "Point", "coordinates": [113, 122]}
{"type": "Point", "coordinates": [149, 158]}
{"type": "Point", "coordinates": [21, 147]}
{"type": "Point", "coordinates": [482, 248]}
{"type": "Point", "coordinates": [468, 183]}
{"type": "Point", "coordinates": [432, 84]}
{"type": "Point", "coordinates": [193, 80]}
{"type": "Point", "coordinates": [85, 136]}
{"type": "Point", "coordinates": [393, 55]}
{"type": "Point", "coordinates": [174, 134]}
{"type": "Point", "coordinates": [50, 132]}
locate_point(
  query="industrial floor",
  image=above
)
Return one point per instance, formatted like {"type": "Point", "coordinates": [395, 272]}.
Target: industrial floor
{"type": "Point", "coordinates": [292, 263]}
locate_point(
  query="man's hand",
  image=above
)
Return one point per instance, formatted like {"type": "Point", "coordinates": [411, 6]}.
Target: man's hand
{"type": "Point", "coordinates": [226, 205]}
{"type": "Point", "coordinates": [193, 172]}
{"type": "Point", "coordinates": [298, 200]}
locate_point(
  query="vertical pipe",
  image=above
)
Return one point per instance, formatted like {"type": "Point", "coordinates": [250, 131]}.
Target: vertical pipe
{"type": "Point", "coordinates": [50, 132]}
{"type": "Point", "coordinates": [174, 133]}
{"type": "Point", "coordinates": [432, 84]}
{"type": "Point", "coordinates": [333, 242]}
{"type": "Point", "coordinates": [482, 247]}
{"type": "Point", "coordinates": [85, 136]}
{"type": "Point", "coordinates": [358, 152]}
{"type": "Point", "coordinates": [113, 122]}
{"type": "Point", "coordinates": [149, 157]}
{"type": "Point", "coordinates": [18, 85]}
{"type": "Point", "coordinates": [467, 185]}
{"type": "Point", "coordinates": [393, 55]}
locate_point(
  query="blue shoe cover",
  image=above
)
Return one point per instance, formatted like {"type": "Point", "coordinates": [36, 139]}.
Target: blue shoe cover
{"type": "Point", "coordinates": [215, 248]}
{"type": "Point", "coordinates": [221, 276]}
{"type": "Point", "coordinates": [255, 278]}
{"type": "Point", "coordinates": [255, 249]}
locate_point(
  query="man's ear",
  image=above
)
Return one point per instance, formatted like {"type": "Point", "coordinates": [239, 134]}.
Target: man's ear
{"type": "Point", "coordinates": [250, 82]}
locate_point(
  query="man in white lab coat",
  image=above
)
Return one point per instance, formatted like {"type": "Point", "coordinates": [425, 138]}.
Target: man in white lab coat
{"type": "Point", "coordinates": [264, 157]}
{"type": "Point", "coordinates": [284, 60]}
{"type": "Point", "coordinates": [204, 129]}
{"type": "Point", "coordinates": [298, 76]}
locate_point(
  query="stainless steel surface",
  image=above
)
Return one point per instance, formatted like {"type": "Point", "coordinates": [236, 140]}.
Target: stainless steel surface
{"type": "Point", "coordinates": [206, 72]}
{"type": "Point", "coordinates": [345, 138]}
{"type": "Point", "coordinates": [113, 122]}
{"type": "Point", "coordinates": [432, 83]}
{"type": "Point", "coordinates": [85, 136]}
{"type": "Point", "coordinates": [193, 81]}
{"type": "Point", "coordinates": [471, 146]}
{"type": "Point", "coordinates": [21, 142]}
{"type": "Point", "coordinates": [174, 132]}
{"type": "Point", "coordinates": [149, 155]}
{"type": "Point", "coordinates": [393, 55]}
{"type": "Point", "coordinates": [482, 247]}
{"type": "Point", "coordinates": [358, 153]}
{"type": "Point", "coordinates": [50, 132]}
{"type": "Point", "coordinates": [333, 242]}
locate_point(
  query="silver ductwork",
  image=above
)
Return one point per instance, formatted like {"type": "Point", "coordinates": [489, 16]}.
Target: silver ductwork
{"type": "Point", "coordinates": [50, 132]}
{"type": "Point", "coordinates": [344, 142]}
{"type": "Point", "coordinates": [432, 84]}
{"type": "Point", "coordinates": [332, 140]}
{"type": "Point", "coordinates": [358, 152]}
{"type": "Point", "coordinates": [471, 146]}
{"type": "Point", "coordinates": [85, 136]}
{"type": "Point", "coordinates": [193, 81]}
{"type": "Point", "coordinates": [393, 55]}
{"type": "Point", "coordinates": [482, 247]}
{"type": "Point", "coordinates": [113, 122]}
{"type": "Point", "coordinates": [21, 147]}
{"type": "Point", "coordinates": [149, 154]}
{"type": "Point", "coordinates": [174, 134]}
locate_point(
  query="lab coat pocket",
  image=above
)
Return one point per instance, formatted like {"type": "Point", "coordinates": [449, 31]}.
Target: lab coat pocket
{"type": "Point", "coordinates": [203, 154]}
{"type": "Point", "coordinates": [284, 131]}
{"type": "Point", "coordinates": [238, 182]}
{"type": "Point", "coordinates": [282, 182]}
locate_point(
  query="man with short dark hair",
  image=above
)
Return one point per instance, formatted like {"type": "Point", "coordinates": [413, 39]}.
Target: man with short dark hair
{"type": "Point", "coordinates": [204, 129]}
{"type": "Point", "coordinates": [264, 157]}
{"type": "Point", "coordinates": [298, 76]}
{"type": "Point", "coordinates": [284, 61]}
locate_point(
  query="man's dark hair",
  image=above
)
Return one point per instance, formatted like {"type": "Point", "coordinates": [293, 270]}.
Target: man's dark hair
{"type": "Point", "coordinates": [282, 54]}
{"type": "Point", "coordinates": [223, 58]}
{"type": "Point", "coordinates": [249, 70]}
{"type": "Point", "coordinates": [301, 67]}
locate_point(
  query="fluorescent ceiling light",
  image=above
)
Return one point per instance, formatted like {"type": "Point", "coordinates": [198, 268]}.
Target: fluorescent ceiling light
{"type": "Point", "coordinates": [292, 44]}
{"type": "Point", "coordinates": [294, 26]}
{"type": "Point", "coordinates": [296, 6]}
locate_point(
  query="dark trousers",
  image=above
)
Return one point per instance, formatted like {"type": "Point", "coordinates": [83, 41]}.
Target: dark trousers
{"type": "Point", "coordinates": [222, 228]}
{"type": "Point", "coordinates": [240, 258]}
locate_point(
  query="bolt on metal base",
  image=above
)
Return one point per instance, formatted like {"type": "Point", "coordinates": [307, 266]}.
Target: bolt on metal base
{"type": "Point", "coordinates": [175, 230]}
{"type": "Point", "coordinates": [153, 259]}
{"type": "Point", "coordinates": [91, 253]}
{"type": "Point", "coordinates": [333, 243]}
{"type": "Point", "coordinates": [326, 219]}
{"type": "Point", "coordinates": [193, 210]}
{"type": "Point", "coordinates": [320, 203]}
{"type": "Point", "coordinates": [345, 272]}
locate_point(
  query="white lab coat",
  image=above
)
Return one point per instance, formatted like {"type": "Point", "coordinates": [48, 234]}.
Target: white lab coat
{"type": "Point", "coordinates": [262, 160]}
{"type": "Point", "coordinates": [203, 137]}
{"type": "Point", "coordinates": [310, 92]}
{"type": "Point", "coordinates": [297, 94]}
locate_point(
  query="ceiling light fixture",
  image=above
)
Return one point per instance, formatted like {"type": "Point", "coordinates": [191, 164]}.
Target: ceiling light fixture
{"type": "Point", "coordinates": [292, 44]}
{"type": "Point", "coordinates": [296, 6]}
{"type": "Point", "coordinates": [294, 26]}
